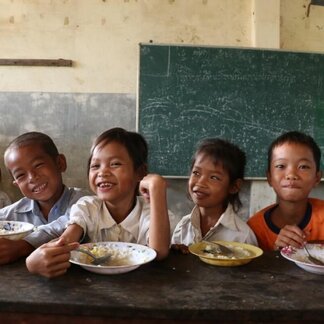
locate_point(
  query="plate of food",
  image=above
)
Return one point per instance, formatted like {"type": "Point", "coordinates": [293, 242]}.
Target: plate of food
{"type": "Point", "coordinates": [240, 253]}
{"type": "Point", "coordinates": [125, 257]}
{"type": "Point", "coordinates": [14, 230]}
{"type": "Point", "coordinates": [300, 258]}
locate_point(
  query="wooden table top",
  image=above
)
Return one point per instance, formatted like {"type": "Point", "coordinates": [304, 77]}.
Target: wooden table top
{"type": "Point", "coordinates": [181, 287]}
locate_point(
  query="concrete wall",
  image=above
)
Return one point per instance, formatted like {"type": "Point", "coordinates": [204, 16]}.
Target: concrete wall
{"type": "Point", "coordinates": [75, 104]}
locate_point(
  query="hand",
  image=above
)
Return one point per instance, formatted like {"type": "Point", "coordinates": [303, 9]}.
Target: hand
{"type": "Point", "coordinates": [11, 250]}
{"type": "Point", "coordinates": [290, 235]}
{"type": "Point", "coordinates": [51, 259]}
{"type": "Point", "coordinates": [181, 248]}
{"type": "Point", "coordinates": [152, 182]}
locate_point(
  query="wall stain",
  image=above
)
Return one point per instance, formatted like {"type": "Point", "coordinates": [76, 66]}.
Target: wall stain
{"type": "Point", "coordinates": [12, 20]}
{"type": "Point", "coordinates": [103, 21]}
{"type": "Point", "coordinates": [66, 21]}
{"type": "Point", "coordinates": [171, 1]}
{"type": "Point", "coordinates": [205, 2]}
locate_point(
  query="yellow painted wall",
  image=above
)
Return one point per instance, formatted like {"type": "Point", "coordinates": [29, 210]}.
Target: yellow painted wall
{"type": "Point", "coordinates": [102, 38]}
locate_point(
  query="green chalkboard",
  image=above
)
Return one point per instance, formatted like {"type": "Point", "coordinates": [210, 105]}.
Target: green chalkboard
{"type": "Point", "coordinates": [247, 96]}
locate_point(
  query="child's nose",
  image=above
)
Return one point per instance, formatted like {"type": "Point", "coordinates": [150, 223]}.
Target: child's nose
{"type": "Point", "coordinates": [201, 180]}
{"type": "Point", "coordinates": [291, 176]}
{"type": "Point", "coordinates": [32, 175]}
{"type": "Point", "coordinates": [104, 172]}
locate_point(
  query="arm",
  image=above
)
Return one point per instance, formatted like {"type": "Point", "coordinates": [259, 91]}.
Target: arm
{"type": "Point", "coordinates": [290, 235]}
{"type": "Point", "coordinates": [73, 233]}
{"type": "Point", "coordinates": [51, 259]}
{"type": "Point", "coordinates": [11, 251]}
{"type": "Point", "coordinates": [153, 188]}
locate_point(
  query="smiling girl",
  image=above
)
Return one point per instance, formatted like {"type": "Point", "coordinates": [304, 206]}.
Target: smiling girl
{"type": "Point", "coordinates": [216, 177]}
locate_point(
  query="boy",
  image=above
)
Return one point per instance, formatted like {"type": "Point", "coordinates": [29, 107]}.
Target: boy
{"type": "Point", "coordinates": [293, 171]}
{"type": "Point", "coordinates": [36, 168]}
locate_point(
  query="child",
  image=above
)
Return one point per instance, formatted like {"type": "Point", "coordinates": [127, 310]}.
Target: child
{"type": "Point", "coordinates": [217, 172]}
{"type": "Point", "coordinates": [4, 198]}
{"type": "Point", "coordinates": [36, 167]}
{"type": "Point", "coordinates": [293, 171]}
{"type": "Point", "coordinates": [116, 170]}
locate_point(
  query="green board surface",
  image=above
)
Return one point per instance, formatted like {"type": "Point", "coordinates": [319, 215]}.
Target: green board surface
{"type": "Point", "coordinates": [246, 96]}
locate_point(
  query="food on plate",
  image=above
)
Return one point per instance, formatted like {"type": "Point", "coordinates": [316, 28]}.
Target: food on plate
{"type": "Point", "coordinates": [238, 252]}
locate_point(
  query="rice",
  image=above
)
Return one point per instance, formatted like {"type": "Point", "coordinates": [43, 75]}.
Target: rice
{"type": "Point", "coordinates": [119, 257]}
{"type": "Point", "coordinates": [238, 251]}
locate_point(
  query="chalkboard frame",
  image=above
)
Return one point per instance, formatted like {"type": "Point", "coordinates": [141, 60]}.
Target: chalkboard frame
{"type": "Point", "coordinates": [286, 68]}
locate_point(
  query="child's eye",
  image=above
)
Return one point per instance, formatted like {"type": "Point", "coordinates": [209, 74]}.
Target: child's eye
{"type": "Point", "coordinates": [304, 166]}
{"type": "Point", "coordinates": [39, 165]}
{"type": "Point", "coordinates": [19, 176]}
{"type": "Point", "coordinates": [94, 166]}
{"type": "Point", "coordinates": [115, 164]}
{"type": "Point", "coordinates": [194, 172]}
{"type": "Point", "coordinates": [279, 166]}
{"type": "Point", "coordinates": [214, 177]}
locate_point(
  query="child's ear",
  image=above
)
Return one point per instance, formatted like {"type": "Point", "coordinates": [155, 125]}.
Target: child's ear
{"type": "Point", "coordinates": [61, 162]}
{"type": "Point", "coordinates": [236, 186]}
{"type": "Point", "coordinates": [318, 178]}
{"type": "Point", "coordinates": [269, 178]}
{"type": "Point", "coordinates": [14, 182]}
{"type": "Point", "coordinates": [141, 172]}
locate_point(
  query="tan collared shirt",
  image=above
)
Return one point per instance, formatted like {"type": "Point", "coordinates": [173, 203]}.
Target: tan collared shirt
{"type": "Point", "coordinates": [229, 227]}
{"type": "Point", "coordinates": [98, 225]}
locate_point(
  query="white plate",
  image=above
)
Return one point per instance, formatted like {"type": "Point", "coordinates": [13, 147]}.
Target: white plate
{"type": "Point", "coordinates": [14, 230]}
{"type": "Point", "coordinates": [129, 256]}
{"type": "Point", "coordinates": [299, 256]}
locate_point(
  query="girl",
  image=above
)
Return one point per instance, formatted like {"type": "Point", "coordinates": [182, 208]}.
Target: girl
{"type": "Point", "coordinates": [117, 167]}
{"type": "Point", "coordinates": [217, 172]}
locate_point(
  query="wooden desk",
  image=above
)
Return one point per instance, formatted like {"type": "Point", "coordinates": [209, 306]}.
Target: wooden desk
{"type": "Point", "coordinates": [269, 289]}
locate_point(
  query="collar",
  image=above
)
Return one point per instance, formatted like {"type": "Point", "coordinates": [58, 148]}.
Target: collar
{"type": "Point", "coordinates": [130, 223]}
{"type": "Point", "coordinates": [301, 225]}
{"type": "Point", "coordinates": [227, 219]}
{"type": "Point", "coordinates": [26, 205]}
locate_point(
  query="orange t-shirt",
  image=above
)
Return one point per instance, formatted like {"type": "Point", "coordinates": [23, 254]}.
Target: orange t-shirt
{"type": "Point", "coordinates": [266, 232]}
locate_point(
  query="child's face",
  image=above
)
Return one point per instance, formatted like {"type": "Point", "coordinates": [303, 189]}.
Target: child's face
{"type": "Point", "coordinates": [112, 176]}
{"type": "Point", "coordinates": [36, 174]}
{"type": "Point", "coordinates": [209, 184]}
{"type": "Point", "coordinates": [293, 172]}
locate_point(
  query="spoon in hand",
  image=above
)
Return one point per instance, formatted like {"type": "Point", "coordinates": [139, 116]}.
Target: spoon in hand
{"type": "Point", "coordinates": [96, 260]}
{"type": "Point", "coordinates": [313, 259]}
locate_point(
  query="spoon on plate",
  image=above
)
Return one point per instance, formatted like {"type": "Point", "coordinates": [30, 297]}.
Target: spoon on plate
{"type": "Point", "coordinates": [96, 260]}
{"type": "Point", "coordinates": [313, 259]}
{"type": "Point", "coordinates": [219, 249]}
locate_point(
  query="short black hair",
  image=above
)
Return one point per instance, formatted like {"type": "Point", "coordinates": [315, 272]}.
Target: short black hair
{"type": "Point", "coordinates": [34, 138]}
{"type": "Point", "coordinates": [134, 143]}
{"type": "Point", "coordinates": [296, 137]}
{"type": "Point", "coordinates": [230, 156]}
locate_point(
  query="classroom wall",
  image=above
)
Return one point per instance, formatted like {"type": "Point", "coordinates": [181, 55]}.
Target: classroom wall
{"type": "Point", "coordinates": [75, 104]}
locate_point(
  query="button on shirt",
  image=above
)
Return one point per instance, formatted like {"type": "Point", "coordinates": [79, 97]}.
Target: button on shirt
{"type": "Point", "coordinates": [93, 216]}
{"type": "Point", "coordinates": [229, 227]}
{"type": "Point", "coordinates": [27, 210]}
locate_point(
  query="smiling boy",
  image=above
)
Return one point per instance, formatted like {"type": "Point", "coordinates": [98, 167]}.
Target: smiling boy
{"type": "Point", "coordinates": [293, 171]}
{"type": "Point", "coordinates": [36, 167]}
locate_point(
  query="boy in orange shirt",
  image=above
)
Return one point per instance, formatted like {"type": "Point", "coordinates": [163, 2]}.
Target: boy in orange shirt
{"type": "Point", "coordinates": [293, 171]}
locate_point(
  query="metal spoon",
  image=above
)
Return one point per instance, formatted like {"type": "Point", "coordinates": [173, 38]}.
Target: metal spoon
{"type": "Point", "coordinates": [220, 248]}
{"type": "Point", "coordinates": [96, 260]}
{"type": "Point", "coordinates": [313, 259]}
